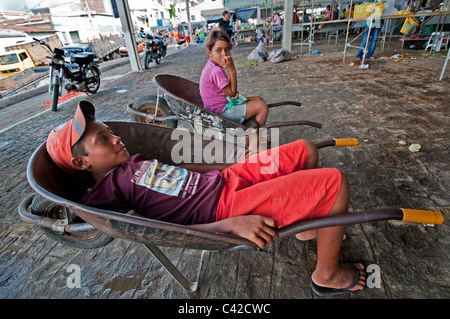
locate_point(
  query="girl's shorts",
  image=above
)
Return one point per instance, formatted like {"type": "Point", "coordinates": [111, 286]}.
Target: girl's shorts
{"type": "Point", "coordinates": [286, 195]}
{"type": "Point", "coordinates": [236, 113]}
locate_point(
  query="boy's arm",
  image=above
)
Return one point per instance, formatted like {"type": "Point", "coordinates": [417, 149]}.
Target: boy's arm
{"type": "Point", "coordinates": [258, 229]}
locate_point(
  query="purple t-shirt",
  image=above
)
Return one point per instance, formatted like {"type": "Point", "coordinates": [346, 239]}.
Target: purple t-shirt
{"type": "Point", "coordinates": [158, 191]}
{"type": "Point", "coordinates": [212, 81]}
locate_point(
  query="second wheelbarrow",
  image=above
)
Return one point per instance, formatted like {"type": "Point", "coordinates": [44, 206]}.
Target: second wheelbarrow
{"type": "Point", "coordinates": [178, 103]}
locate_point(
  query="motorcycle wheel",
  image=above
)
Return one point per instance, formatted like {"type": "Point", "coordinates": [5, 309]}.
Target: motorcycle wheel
{"type": "Point", "coordinates": [92, 79]}
{"type": "Point", "coordinates": [147, 104]}
{"type": "Point", "coordinates": [83, 239]}
{"type": "Point", "coordinates": [147, 60]}
{"type": "Point", "coordinates": [50, 84]}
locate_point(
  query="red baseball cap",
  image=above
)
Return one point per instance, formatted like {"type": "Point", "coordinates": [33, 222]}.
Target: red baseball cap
{"type": "Point", "coordinates": [63, 137]}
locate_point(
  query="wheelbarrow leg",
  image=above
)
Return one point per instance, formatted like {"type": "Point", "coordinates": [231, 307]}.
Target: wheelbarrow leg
{"type": "Point", "coordinates": [173, 271]}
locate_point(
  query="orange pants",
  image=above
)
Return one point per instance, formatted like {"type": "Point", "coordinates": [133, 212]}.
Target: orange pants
{"type": "Point", "coordinates": [277, 186]}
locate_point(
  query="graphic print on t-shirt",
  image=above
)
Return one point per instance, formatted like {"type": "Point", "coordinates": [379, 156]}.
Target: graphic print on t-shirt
{"type": "Point", "coordinates": [166, 179]}
{"type": "Point", "coordinates": [160, 177]}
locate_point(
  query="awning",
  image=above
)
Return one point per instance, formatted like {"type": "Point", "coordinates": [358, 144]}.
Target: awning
{"type": "Point", "coordinates": [215, 19]}
{"type": "Point", "coordinates": [234, 4]}
{"type": "Point", "coordinates": [244, 14]}
{"type": "Point", "coordinates": [212, 12]}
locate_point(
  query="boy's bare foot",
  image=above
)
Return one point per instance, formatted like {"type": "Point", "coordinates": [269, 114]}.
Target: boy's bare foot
{"type": "Point", "coordinates": [347, 278]}
{"type": "Point", "coordinates": [306, 235]}
{"type": "Point", "coordinates": [311, 234]}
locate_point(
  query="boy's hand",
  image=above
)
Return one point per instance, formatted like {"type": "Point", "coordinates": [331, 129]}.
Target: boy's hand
{"type": "Point", "coordinates": [258, 229]}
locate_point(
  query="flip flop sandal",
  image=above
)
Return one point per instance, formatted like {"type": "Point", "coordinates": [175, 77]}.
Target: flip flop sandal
{"type": "Point", "coordinates": [327, 291]}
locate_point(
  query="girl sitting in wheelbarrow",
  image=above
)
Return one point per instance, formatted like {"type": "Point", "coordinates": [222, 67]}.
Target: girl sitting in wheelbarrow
{"type": "Point", "coordinates": [243, 199]}
{"type": "Point", "coordinates": [219, 93]}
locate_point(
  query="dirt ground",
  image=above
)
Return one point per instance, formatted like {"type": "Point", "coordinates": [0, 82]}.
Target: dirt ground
{"type": "Point", "coordinates": [389, 106]}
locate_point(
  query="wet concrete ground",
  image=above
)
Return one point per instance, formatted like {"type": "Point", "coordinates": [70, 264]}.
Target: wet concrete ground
{"type": "Point", "coordinates": [387, 107]}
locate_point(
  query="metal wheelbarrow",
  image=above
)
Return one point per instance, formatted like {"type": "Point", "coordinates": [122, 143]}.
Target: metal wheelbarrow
{"type": "Point", "coordinates": [178, 103]}
{"type": "Point", "coordinates": [55, 207]}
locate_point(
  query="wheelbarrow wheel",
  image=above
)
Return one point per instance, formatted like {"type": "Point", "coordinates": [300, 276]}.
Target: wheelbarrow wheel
{"type": "Point", "coordinates": [147, 104]}
{"type": "Point", "coordinates": [87, 239]}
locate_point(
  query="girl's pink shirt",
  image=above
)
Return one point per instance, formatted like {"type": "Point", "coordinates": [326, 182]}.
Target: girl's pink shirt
{"type": "Point", "coordinates": [212, 81]}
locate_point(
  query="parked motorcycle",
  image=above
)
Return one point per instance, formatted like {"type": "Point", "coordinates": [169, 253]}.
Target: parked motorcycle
{"type": "Point", "coordinates": [83, 78]}
{"type": "Point", "coordinates": [155, 49]}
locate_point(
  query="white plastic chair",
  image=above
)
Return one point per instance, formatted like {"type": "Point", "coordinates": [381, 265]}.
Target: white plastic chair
{"type": "Point", "coordinates": [438, 40]}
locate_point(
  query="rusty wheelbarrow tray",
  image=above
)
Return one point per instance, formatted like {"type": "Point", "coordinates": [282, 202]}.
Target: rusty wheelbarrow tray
{"type": "Point", "coordinates": [75, 223]}
{"type": "Point", "coordinates": [178, 102]}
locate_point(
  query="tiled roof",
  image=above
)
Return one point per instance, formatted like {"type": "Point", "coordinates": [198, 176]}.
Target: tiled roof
{"type": "Point", "coordinates": [27, 29]}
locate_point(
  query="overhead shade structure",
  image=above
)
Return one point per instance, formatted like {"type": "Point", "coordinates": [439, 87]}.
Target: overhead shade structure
{"type": "Point", "coordinates": [212, 12]}
{"type": "Point", "coordinates": [244, 14]}
{"type": "Point", "coordinates": [234, 4]}
{"type": "Point", "coordinates": [212, 15]}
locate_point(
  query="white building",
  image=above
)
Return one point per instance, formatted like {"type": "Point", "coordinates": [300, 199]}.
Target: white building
{"type": "Point", "coordinates": [77, 21]}
{"type": "Point", "coordinates": [155, 13]}
{"type": "Point", "coordinates": [196, 8]}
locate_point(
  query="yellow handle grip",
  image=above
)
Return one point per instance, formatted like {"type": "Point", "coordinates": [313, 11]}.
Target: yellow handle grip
{"type": "Point", "coordinates": [346, 141]}
{"type": "Point", "coordinates": [422, 216]}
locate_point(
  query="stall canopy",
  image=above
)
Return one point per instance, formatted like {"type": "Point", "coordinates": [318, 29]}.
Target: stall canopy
{"type": "Point", "coordinates": [210, 13]}
{"type": "Point", "coordinates": [234, 4]}
{"type": "Point", "coordinates": [244, 14]}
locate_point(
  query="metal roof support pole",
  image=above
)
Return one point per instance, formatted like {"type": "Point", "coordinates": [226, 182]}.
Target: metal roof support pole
{"type": "Point", "coordinates": [287, 27]}
{"type": "Point", "coordinates": [128, 31]}
{"type": "Point", "coordinates": [350, 17]}
{"type": "Point", "coordinates": [445, 65]}
{"type": "Point", "coordinates": [188, 15]}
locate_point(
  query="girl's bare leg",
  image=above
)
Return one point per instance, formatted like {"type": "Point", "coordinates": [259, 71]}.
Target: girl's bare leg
{"type": "Point", "coordinates": [257, 108]}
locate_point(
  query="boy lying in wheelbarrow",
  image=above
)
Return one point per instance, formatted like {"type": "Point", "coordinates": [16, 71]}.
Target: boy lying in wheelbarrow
{"type": "Point", "coordinates": [239, 200]}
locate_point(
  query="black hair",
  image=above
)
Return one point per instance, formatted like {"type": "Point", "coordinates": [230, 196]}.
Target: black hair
{"type": "Point", "coordinates": [214, 35]}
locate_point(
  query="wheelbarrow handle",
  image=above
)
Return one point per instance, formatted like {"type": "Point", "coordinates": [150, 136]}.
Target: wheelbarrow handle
{"type": "Point", "coordinates": [422, 216]}
{"type": "Point", "coordinates": [284, 103]}
{"type": "Point", "coordinates": [338, 142]}
{"type": "Point", "coordinates": [406, 215]}
{"type": "Point", "coordinates": [292, 123]}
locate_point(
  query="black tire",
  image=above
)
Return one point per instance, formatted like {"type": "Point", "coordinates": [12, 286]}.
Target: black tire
{"type": "Point", "coordinates": [55, 95]}
{"type": "Point", "coordinates": [92, 79]}
{"type": "Point", "coordinates": [147, 104]}
{"type": "Point", "coordinates": [50, 84]}
{"type": "Point", "coordinates": [85, 240]}
{"type": "Point", "coordinates": [147, 59]}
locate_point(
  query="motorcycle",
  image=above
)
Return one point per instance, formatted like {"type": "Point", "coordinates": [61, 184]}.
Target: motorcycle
{"type": "Point", "coordinates": [155, 49]}
{"type": "Point", "coordinates": [84, 77]}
